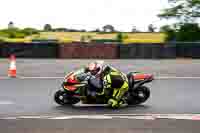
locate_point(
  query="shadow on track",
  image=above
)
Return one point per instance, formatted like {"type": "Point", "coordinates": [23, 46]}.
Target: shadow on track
{"type": "Point", "coordinates": [100, 109]}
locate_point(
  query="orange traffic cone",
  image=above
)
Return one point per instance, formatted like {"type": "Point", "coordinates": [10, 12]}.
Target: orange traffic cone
{"type": "Point", "coordinates": [12, 69]}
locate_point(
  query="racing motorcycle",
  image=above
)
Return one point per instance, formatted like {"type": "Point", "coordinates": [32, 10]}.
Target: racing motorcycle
{"type": "Point", "coordinates": [74, 91]}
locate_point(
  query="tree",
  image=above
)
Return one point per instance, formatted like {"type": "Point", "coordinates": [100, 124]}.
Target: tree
{"type": "Point", "coordinates": [188, 32]}
{"type": "Point", "coordinates": [170, 31]}
{"type": "Point", "coordinates": [62, 29]}
{"type": "Point", "coordinates": [165, 28]}
{"type": "Point", "coordinates": [97, 30]}
{"type": "Point", "coordinates": [134, 29]}
{"type": "Point", "coordinates": [151, 28]}
{"type": "Point", "coordinates": [47, 27]}
{"type": "Point", "coordinates": [10, 25]}
{"type": "Point", "coordinates": [30, 31]}
{"type": "Point", "coordinates": [186, 11]}
{"type": "Point", "coordinates": [83, 30]}
{"type": "Point", "coordinates": [108, 28]}
{"type": "Point", "coordinates": [182, 32]}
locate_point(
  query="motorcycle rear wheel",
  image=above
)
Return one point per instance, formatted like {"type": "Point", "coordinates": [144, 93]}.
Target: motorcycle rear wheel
{"type": "Point", "coordinates": [139, 95]}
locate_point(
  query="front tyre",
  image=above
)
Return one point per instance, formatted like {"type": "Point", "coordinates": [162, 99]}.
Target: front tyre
{"type": "Point", "coordinates": [139, 95]}
{"type": "Point", "coordinates": [59, 98]}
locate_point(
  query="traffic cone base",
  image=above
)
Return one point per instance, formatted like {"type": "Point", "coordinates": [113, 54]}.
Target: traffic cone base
{"type": "Point", "coordinates": [12, 73]}
{"type": "Point", "coordinates": [12, 69]}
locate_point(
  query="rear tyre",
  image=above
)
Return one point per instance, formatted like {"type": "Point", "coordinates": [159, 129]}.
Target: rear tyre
{"type": "Point", "coordinates": [139, 95]}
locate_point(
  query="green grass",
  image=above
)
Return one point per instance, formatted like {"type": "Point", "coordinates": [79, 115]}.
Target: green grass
{"type": "Point", "coordinates": [65, 37]}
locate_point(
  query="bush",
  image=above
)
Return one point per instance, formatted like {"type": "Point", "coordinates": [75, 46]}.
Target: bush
{"type": "Point", "coordinates": [30, 31]}
{"type": "Point", "coordinates": [105, 40]}
{"type": "Point", "coordinates": [1, 40]}
{"type": "Point", "coordinates": [119, 37]}
{"type": "Point", "coordinates": [188, 32]}
{"type": "Point", "coordinates": [182, 32]}
{"type": "Point", "coordinates": [17, 33]}
{"type": "Point", "coordinates": [12, 33]}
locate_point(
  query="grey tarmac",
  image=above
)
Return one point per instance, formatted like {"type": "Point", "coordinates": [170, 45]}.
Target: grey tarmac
{"type": "Point", "coordinates": [99, 126]}
{"type": "Point", "coordinates": [26, 100]}
{"type": "Point", "coordinates": [35, 97]}
{"type": "Point", "coordinates": [58, 67]}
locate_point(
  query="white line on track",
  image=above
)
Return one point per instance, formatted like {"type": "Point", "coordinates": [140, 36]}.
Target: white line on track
{"type": "Point", "coordinates": [152, 114]}
{"type": "Point", "coordinates": [159, 77]}
{"type": "Point", "coordinates": [41, 77]}
{"type": "Point", "coordinates": [4, 78]}
{"type": "Point", "coordinates": [6, 102]}
{"type": "Point", "coordinates": [177, 77]}
{"type": "Point", "coordinates": [114, 116]}
{"type": "Point", "coordinates": [33, 117]}
{"type": "Point", "coordinates": [82, 117]}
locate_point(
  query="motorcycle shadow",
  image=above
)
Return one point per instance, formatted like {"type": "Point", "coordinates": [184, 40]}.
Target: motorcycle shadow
{"type": "Point", "coordinates": [98, 109]}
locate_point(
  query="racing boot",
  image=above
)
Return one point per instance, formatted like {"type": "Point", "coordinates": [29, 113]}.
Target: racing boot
{"type": "Point", "coordinates": [113, 103]}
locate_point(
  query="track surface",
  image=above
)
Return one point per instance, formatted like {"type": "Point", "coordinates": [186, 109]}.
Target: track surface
{"type": "Point", "coordinates": [99, 126]}
{"type": "Point", "coordinates": [57, 68]}
{"type": "Point", "coordinates": [34, 97]}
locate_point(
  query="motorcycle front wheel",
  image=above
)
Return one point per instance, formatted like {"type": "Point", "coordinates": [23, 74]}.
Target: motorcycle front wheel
{"type": "Point", "coordinates": [59, 98]}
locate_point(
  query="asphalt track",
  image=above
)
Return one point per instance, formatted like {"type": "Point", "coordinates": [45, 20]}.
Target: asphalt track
{"type": "Point", "coordinates": [35, 97]}
{"type": "Point", "coordinates": [23, 98]}
{"type": "Point", "coordinates": [57, 68]}
{"type": "Point", "coordinates": [26, 104]}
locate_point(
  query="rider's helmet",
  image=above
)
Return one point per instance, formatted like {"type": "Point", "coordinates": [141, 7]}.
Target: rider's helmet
{"type": "Point", "coordinates": [95, 68]}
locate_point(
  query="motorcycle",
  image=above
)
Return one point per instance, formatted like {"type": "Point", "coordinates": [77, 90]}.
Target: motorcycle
{"type": "Point", "coordinates": [74, 91]}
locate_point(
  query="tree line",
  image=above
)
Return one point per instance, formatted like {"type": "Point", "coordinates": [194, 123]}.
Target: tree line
{"type": "Point", "coordinates": [186, 13]}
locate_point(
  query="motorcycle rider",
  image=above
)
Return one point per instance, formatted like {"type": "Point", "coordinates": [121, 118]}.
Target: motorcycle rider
{"type": "Point", "coordinates": [105, 77]}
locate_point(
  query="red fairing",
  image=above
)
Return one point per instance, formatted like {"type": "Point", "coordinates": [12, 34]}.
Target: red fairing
{"type": "Point", "coordinates": [71, 80]}
{"type": "Point", "coordinates": [142, 76]}
{"type": "Point", "coordinates": [71, 88]}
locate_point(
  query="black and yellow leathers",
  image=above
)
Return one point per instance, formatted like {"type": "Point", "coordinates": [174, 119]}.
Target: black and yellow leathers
{"type": "Point", "coordinates": [116, 81]}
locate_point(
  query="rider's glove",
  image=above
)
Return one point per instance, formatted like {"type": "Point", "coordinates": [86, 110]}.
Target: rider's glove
{"type": "Point", "coordinates": [84, 76]}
